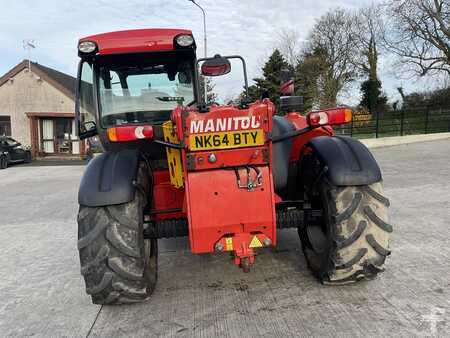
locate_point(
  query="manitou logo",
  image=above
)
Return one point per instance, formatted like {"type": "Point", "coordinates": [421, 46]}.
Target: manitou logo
{"type": "Point", "coordinates": [225, 124]}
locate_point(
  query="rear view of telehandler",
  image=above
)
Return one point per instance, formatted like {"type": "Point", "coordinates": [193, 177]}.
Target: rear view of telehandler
{"type": "Point", "coordinates": [226, 176]}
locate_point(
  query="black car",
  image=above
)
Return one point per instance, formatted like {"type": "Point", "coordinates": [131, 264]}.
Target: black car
{"type": "Point", "coordinates": [12, 151]}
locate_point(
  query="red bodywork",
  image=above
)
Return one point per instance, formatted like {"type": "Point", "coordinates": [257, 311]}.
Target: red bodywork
{"type": "Point", "coordinates": [222, 215]}
{"type": "Point", "coordinates": [136, 41]}
{"type": "Point", "coordinates": [219, 213]}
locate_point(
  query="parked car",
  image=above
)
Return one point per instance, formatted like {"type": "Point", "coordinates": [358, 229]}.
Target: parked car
{"type": "Point", "coordinates": [12, 151]}
{"type": "Point", "coordinates": [93, 148]}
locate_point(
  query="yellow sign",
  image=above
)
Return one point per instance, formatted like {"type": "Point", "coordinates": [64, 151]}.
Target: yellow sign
{"type": "Point", "coordinates": [255, 243]}
{"type": "Point", "coordinates": [227, 139]}
{"type": "Point", "coordinates": [229, 243]}
{"type": "Point", "coordinates": [173, 156]}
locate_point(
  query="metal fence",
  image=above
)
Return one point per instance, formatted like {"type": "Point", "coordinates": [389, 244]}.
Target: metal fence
{"type": "Point", "coordinates": [397, 123]}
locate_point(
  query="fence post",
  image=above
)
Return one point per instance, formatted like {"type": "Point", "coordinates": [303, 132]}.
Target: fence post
{"type": "Point", "coordinates": [377, 124]}
{"type": "Point", "coordinates": [351, 126]}
{"type": "Point", "coordinates": [402, 117]}
{"type": "Point", "coordinates": [427, 113]}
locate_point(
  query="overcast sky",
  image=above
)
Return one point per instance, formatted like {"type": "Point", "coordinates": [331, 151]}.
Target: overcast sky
{"type": "Point", "coordinates": [246, 27]}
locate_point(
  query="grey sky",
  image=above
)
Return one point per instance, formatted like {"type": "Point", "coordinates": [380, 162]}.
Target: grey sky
{"type": "Point", "coordinates": [247, 27]}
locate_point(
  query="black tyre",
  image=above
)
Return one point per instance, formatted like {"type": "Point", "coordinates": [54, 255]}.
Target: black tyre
{"type": "Point", "coordinates": [3, 162]}
{"type": "Point", "coordinates": [27, 158]}
{"type": "Point", "coordinates": [353, 241]}
{"type": "Point", "coordinates": [117, 263]}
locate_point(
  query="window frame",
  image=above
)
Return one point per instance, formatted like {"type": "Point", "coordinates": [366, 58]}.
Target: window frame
{"type": "Point", "coordinates": [6, 123]}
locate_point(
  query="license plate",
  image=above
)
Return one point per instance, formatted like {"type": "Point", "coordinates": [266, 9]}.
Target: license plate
{"type": "Point", "coordinates": [226, 140]}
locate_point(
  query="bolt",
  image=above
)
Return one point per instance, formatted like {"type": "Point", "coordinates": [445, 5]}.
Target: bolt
{"type": "Point", "coordinates": [267, 241]}
{"type": "Point", "coordinates": [212, 158]}
{"type": "Point", "coordinates": [218, 247]}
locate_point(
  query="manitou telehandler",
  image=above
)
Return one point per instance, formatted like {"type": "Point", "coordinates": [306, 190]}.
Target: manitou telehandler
{"type": "Point", "coordinates": [226, 176]}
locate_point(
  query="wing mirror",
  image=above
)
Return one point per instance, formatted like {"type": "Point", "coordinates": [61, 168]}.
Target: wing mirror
{"type": "Point", "coordinates": [216, 66]}
{"type": "Point", "coordinates": [87, 129]}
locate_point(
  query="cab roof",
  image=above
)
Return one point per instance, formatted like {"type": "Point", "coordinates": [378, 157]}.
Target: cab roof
{"type": "Point", "coordinates": [136, 40]}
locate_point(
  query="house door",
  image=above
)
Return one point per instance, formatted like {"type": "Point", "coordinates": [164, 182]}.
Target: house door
{"type": "Point", "coordinates": [57, 135]}
{"type": "Point", "coordinates": [63, 132]}
{"type": "Point", "coordinates": [48, 137]}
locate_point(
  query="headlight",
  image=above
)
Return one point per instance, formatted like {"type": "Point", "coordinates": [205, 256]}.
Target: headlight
{"type": "Point", "coordinates": [87, 47]}
{"type": "Point", "coordinates": [184, 40]}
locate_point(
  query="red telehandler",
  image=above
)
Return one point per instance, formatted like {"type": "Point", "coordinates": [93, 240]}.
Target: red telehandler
{"type": "Point", "coordinates": [226, 176]}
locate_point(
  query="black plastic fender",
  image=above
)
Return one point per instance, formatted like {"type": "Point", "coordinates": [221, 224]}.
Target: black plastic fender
{"type": "Point", "coordinates": [349, 162]}
{"type": "Point", "coordinates": [281, 152]}
{"type": "Point", "coordinates": [109, 179]}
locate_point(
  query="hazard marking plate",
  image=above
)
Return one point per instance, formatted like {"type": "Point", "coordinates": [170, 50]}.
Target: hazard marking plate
{"type": "Point", "coordinates": [229, 243]}
{"type": "Point", "coordinates": [255, 243]}
{"type": "Point", "coordinates": [226, 140]}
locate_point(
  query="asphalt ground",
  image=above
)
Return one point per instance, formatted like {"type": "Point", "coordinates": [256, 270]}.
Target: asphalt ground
{"type": "Point", "coordinates": [42, 292]}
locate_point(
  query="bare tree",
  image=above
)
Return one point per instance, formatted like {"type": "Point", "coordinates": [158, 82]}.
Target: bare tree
{"type": "Point", "coordinates": [418, 31]}
{"type": "Point", "coordinates": [368, 34]}
{"type": "Point", "coordinates": [332, 43]}
{"type": "Point", "coordinates": [289, 44]}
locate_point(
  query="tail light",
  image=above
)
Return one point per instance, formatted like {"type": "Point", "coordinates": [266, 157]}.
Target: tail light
{"type": "Point", "coordinates": [130, 133]}
{"type": "Point", "coordinates": [329, 117]}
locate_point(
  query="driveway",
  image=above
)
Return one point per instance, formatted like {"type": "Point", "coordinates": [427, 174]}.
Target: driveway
{"type": "Point", "coordinates": [42, 292]}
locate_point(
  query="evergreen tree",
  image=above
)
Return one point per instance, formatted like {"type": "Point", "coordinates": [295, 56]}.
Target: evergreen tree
{"type": "Point", "coordinates": [372, 97]}
{"type": "Point", "coordinates": [270, 81]}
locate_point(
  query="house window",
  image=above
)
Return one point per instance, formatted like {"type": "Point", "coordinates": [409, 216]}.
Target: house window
{"type": "Point", "coordinates": [5, 125]}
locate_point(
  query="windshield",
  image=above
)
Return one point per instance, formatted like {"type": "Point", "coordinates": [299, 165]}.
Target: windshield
{"type": "Point", "coordinates": [144, 88]}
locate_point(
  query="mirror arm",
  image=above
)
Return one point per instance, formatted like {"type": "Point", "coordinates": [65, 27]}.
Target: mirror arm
{"type": "Point", "coordinates": [244, 66]}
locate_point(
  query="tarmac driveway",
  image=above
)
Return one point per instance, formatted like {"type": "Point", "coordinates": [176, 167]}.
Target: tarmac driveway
{"type": "Point", "coordinates": [42, 292]}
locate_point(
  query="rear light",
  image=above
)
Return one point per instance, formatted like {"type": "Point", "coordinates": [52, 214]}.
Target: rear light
{"type": "Point", "coordinates": [130, 133]}
{"type": "Point", "coordinates": [330, 117]}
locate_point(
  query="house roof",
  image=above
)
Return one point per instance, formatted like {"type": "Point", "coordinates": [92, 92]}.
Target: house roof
{"type": "Point", "coordinates": [61, 81]}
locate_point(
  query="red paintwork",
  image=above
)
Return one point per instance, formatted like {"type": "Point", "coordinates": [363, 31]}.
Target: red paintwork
{"type": "Point", "coordinates": [211, 201]}
{"type": "Point", "coordinates": [166, 197]}
{"type": "Point", "coordinates": [136, 40]}
{"type": "Point", "coordinates": [300, 141]}
{"type": "Point", "coordinates": [217, 207]}
{"type": "Point", "coordinates": [211, 195]}
{"type": "Point", "coordinates": [230, 158]}
{"type": "Point", "coordinates": [213, 204]}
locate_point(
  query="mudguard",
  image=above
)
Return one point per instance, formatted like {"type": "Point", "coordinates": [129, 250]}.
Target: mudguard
{"type": "Point", "coordinates": [108, 179]}
{"type": "Point", "coordinates": [281, 152]}
{"type": "Point", "coordinates": [349, 162]}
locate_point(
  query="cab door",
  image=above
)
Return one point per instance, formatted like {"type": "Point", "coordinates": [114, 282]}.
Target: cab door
{"type": "Point", "coordinates": [85, 102]}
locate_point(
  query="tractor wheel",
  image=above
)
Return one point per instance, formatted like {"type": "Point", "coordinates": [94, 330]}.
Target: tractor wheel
{"type": "Point", "coordinates": [118, 265]}
{"type": "Point", "coordinates": [3, 162]}
{"type": "Point", "coordinates": [353, 241]}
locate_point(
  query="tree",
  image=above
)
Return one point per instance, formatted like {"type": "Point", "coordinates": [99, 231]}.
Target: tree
{"type": "Point", "coordinates": [333, 44]}
{"type": "Point", "coordinates": [372, 97]}
{"type": "Point", "coordinates": [418, 32]}
{"type": "Point", "coordinates": [289, 46]}
{"type": "Point", "coordinates": [308, 71]}
{"type": "Point", "coordinates": [211, 95]}
{"type": "Point", "coordinates": [437, 98]}
{"type": "Point", "coordinates": [368, 34]}
{"type": "Point", "coordinates": [270, 81]}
